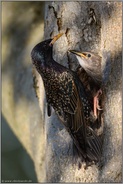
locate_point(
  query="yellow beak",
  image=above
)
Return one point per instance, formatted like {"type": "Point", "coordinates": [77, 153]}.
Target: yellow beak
{"type": "Point", "coordinates": [56, 38]}
{"type": "Point", "coordinates": [77, 53]}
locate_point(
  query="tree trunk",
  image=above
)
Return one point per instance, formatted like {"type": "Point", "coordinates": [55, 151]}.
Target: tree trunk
{"type": "Point", "coordinates": [88, 26]}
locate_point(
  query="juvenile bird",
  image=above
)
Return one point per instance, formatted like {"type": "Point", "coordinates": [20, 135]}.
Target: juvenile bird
{"type": "Point", "coordinates": [90, 74]}
{"type": "Point", "coordinates": [66, 94]}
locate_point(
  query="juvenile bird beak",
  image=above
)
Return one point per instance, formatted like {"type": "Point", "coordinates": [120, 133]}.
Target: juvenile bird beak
{"type": "Point", "coordinates": [78, 53]}
{"type": "Point", "coordinates": [56, 38]}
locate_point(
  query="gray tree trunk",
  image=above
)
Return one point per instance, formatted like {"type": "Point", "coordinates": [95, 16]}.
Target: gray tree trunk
{"type": "Point", "coordinates": [88, 26]}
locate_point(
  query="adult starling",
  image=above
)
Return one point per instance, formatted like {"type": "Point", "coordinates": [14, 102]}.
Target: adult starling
{"type": "Point", "coordinates": [90, 74]}
{"type": "Point", "coordinates": [66, 94]}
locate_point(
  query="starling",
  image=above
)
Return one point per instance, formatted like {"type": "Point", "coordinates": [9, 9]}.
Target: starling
{"type": "Point", "coordinates": [66, 94]}
{"type": "Point", "coordinates": [89, 72]}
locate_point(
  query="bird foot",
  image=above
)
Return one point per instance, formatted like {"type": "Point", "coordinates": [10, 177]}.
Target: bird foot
{"type": "Point", "coordinates": [96, 102]}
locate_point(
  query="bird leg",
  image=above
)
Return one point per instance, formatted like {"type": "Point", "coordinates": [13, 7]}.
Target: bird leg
{"type": "Point", "coordinates": [96, 102]}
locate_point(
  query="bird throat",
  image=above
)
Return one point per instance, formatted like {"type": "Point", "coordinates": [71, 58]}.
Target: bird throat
{"type": "Point", "coordinates": [90, 71]}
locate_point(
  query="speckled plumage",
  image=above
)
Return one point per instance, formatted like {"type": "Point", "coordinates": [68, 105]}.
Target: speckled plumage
{"type": "Point", "coordinates": [66, 94]}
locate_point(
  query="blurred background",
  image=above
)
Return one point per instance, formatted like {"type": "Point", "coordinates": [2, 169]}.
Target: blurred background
{"type": "Point", "coordinates": [22, 28]}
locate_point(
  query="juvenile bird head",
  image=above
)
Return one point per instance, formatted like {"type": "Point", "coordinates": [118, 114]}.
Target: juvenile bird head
{"type": "Point", "coordinates": [90, 62]}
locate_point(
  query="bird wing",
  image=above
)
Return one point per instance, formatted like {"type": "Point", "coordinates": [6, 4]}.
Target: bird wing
{"type": "Point", "coordinates": [71, 107]}
{"type": "Point", "coordinates": [87, 142]}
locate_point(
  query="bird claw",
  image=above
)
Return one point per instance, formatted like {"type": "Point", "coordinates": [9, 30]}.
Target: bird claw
{"type": "Point", "coordinates": [98, 106]}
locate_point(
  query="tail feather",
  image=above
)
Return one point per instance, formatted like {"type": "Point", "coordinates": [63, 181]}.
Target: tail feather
{"type": "Point", "coordinates": [94, 145]}
{"type": "Point", "coordinates": [93, 150]}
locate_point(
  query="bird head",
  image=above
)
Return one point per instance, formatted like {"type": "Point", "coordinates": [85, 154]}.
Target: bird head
{"type": "Point", "coordinates": [89, 61]}
{"type": "Point", "coordinates": [43, 50]}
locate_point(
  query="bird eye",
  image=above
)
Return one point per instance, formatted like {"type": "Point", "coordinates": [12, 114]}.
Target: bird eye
{"type": "Point", "coordinates": [89, 55]}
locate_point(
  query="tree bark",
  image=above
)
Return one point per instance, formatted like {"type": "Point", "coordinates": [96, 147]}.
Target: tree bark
{"type": "Point", "coordinates": [88, 26]}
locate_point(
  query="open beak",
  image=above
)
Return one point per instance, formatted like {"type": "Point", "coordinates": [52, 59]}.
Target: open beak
{"type": "Point", "coordinates": [78, 53]}
{"type": "Point", "coordinates": [56, 38]}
